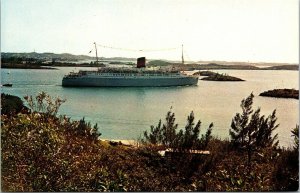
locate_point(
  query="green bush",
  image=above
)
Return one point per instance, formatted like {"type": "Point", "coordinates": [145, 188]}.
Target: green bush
{"type": "Point", "coordinates": [42, 153]}
{"type": "Point", "coordinates": [252, 132]}
{"type": "Point", "coordinates": [286, 171]}
{"type": "Point", "coordinates": [44, 103]}
{"type": "Point", "coordinates": [295, 134]}
{"type": "Point", "coordinates": [167, 135]}
{"type": "Point", "coordinates": [11, 104]}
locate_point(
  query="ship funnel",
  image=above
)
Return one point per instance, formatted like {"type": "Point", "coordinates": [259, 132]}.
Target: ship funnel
{"type": "Point", "coordinates": [141, 62]}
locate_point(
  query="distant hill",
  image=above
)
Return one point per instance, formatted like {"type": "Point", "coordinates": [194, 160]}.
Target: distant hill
{"type": "Point", "coordinates": [200, 65]}
{"type": "Point", "coordinates": [59, 57]}
{"type": "Point", "coordinates": [214, 66]}
{"type": "Point", "coordinates": [158, 63]}
{"type": "Point", "coordinates": [283, 67]}
{"type": "Point", "coordinates": [257, 64]}
{"type": "Point", "coordinates": [46, 56]}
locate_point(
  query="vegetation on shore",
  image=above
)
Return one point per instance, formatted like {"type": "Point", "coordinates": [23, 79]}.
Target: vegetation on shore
{"type": "Point", "coordinates": [122, 63]}
{"type": "Point", "coordinates": [155, 63]}
{"type": "Point", "coordinates": [45, 152]}
{"type": "Point", "coordinates": [46, 56]}
{"type": "Point", "coordinates": [224, 66]}
{"type": "Point", "coordinates": [282, 67]}
{"type": "Point", "coordinates": [11, 105]}
{"type": "Point", "coordinates": [214, 76]}
{"type": "Point", "coordinates": [221, 77]}
{"type": "Point", "coordinates": [205, 73]}
{"type": "Point", "coordinates": [281, 93]}
{"type": "Point", "coordinates": [25, 66]}
{"type": "Point", "coordinates": [32, 63]}
{"type": "Point", "coordinates": [22, 63]}
{"type": "Point", "coordinates": [215, 66]}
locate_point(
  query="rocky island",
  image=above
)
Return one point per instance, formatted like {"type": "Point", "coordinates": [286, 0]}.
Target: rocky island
{"type": "Point", "coordinates": [281, 93]}
{"type": "Point", "coordinates": [205, 73]}
{"type": "Point", "coordinates": [213, 76]}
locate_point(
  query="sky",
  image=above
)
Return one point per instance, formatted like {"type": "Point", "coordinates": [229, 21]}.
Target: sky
{"type": "Point", "coordinates": [226, 30]}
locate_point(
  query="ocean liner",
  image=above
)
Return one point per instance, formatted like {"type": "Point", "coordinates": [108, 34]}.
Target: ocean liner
{"type": "Point", "coordinates": [128, 77]}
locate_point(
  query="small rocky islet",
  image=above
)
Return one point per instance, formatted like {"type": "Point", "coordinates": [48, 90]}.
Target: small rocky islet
{"type": "Point", "coordinates": [213, 76]}
{"type": "Point", "coordinates": [281, 93]}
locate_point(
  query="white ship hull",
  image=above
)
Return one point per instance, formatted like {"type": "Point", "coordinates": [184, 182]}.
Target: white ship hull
{"type": "Point", "coordinates": [129, 81]}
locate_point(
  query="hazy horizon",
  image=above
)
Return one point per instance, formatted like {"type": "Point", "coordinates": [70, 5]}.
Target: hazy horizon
{"type": "Point", "coordinates": [210, 30]}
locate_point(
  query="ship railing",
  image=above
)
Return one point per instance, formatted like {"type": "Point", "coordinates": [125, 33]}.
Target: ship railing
{"type": "Point", "coordinates": [127, 73]}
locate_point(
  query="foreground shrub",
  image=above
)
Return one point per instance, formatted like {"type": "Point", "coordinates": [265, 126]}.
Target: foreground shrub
{"type": "Point", "coordinates": [44, 103]}
{"type": "Point", "coordinates": [39, 154]}
{"type": "Point", "coordinates": [38, 147]}
{"type": "Point", "coordinates": [295, 135]}
{"type": "Point", "coordinates": [286, 172]}
{"type": "Point", "coordinates": [167, 135]}
{"type": "Point", "coordinates": [11, 105]}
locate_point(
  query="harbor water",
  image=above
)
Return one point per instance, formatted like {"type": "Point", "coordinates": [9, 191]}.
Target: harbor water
{"type": "Point", "coordinates": [124, 113]}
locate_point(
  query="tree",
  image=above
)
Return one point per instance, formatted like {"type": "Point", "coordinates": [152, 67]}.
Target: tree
{"type": "Point", "coordinates": [266, 127]}
{"type": "Point", "coordinates": [295, 134]}
{"type": "Point", "coordinates": [163, 134]}
{"type": "Point", "coordinates": [205, 139]}
{"type": "Point", "coordinates": [85, 129]}
{"type": "Point", "coordinates": [180, 141]}
{"type": "Point", "coordinates": [239, 122]}
{"type": "Point", "coordinates": [155, 135]}
{"type": "Point", "coordinates": [250, 131]}
{"type": "Point", "coordinates": [169, 130]}
{"type": "Point", "coordinates": [189, 138]}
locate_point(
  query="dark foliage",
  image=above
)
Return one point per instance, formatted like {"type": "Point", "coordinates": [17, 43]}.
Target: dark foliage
{"type": "Point", "coordinates": [85, 129]}
{"type": "Point", "coordinates": [163, 134]}
{"type": "Point", "coordinates": [220, 77]}
{"type": "Point", "coordinates": [295, 135]}
{"type": "Point", "coordinates": [11, 104]}
{"type": "Point", "coordinates": [286, 172]}
{"type": "Point", "coordinates": [250, 131]}
{"type": "Point", "coordinates": [167, 135]}
{"type": "Point", "coordinates": [205, 73]}
{"type": "Point", "coordinates": [281, 93]}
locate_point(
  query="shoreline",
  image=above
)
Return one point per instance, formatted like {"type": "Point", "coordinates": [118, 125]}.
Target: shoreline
{"type": "Point", "coordinates": [21, 66]}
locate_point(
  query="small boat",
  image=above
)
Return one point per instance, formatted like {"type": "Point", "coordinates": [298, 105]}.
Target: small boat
{"type": "Point", "coordinates": [7, 85]}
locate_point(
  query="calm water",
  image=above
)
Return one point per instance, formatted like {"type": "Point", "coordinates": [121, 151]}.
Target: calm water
{"type": "Point", "coordinates": [124, 113]}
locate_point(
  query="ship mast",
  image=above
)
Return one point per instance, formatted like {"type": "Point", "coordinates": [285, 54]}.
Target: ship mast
{"type": "Point", "coordinates": [96, 53]}
{"type": "Point", "coordinates": [182, 59]}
